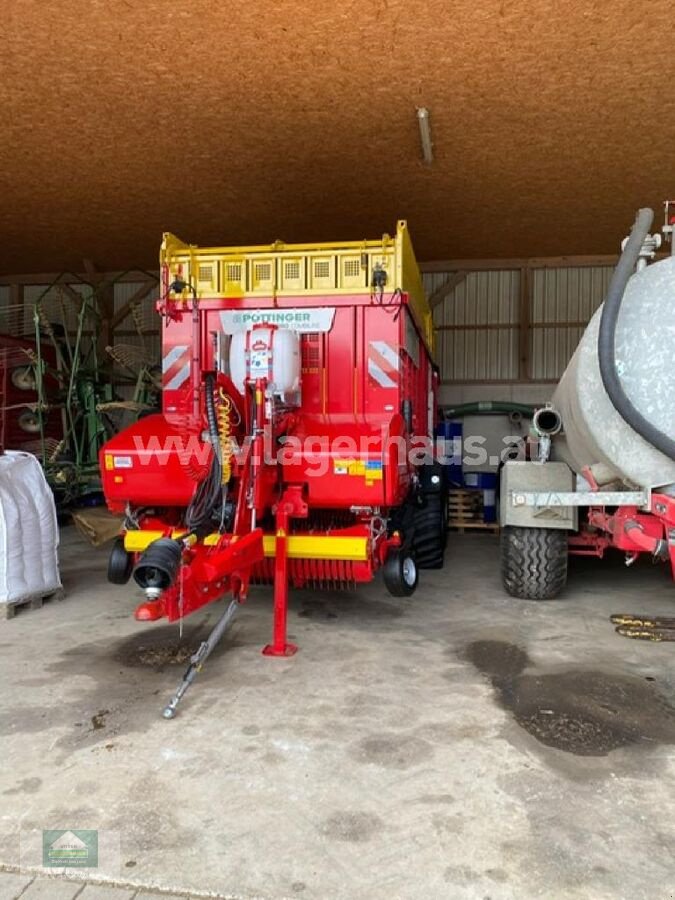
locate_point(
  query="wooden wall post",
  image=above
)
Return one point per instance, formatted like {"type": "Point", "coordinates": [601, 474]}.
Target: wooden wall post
{"type": "Point", "coordinates": [524, 318]}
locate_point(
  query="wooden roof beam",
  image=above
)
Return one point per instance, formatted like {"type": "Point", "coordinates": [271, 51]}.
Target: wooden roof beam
{"type": "Point", "coordinates": [446, 287]}
{"type": "Point", "coordinates": [126, 307]}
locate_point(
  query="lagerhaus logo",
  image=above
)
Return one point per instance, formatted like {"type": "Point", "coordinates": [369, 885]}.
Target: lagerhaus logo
{"type": "Point", "coordinates": [76, 848]}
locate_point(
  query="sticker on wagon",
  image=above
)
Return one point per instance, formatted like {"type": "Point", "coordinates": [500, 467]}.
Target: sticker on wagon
{"type": "Point", "coordinates": [303, 320]}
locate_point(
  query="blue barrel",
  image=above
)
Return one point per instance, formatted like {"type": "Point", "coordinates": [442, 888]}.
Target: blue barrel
{"type": "Point", "coordinates": [487, 483]}
{"type": "Point", "coordinates": [450, 436]}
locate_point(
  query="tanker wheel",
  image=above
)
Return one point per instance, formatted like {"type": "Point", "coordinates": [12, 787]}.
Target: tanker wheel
{"type": "Point", "coordinates": [400, 574]}
{"type": "Point", "coordinates": [120, 563]}
{"type": "Point", "coordinates": [533, 562]}
{"type": "Point", "coordinates": [430, 531]}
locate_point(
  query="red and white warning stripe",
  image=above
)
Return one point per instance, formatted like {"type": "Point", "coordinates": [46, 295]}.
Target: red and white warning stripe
{"type": "Point", "coordinates": [383, 364]}
{"type": "Point", "coordinates": [176, 367]}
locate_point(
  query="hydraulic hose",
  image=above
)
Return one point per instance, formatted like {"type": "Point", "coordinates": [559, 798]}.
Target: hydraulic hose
{"type": "Point", "coordinates": [607, 339]}
{"type": "Point", "coordinates": [210, 385]}
{"type": "Point", "coordinates": [486, 407]}
{"type": "Point", "coordinates": [647, 542]}
{"type": "Point", "coordinates": [209, 491]}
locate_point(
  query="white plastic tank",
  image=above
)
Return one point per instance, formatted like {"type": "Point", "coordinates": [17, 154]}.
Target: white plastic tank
{"type": "Point", "coordinates": [271, 353]}
{"type": "Point", "coordinates": [594, 434]}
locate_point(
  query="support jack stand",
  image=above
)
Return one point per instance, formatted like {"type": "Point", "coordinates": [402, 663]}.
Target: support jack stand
{"type": "Point", "coordinates": [200, 657]}
{"type": "Point", "coordinates": [280, 646]}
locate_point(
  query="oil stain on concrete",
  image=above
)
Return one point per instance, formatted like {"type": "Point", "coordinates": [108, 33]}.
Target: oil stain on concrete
{"type": "Point", "coordinates": [392, 751]}
{"type": "Point", "coordinates": [25, 786]}
{"type": "Point", "coordinates": [351, 827]}
{"type": "Point", "coordinates": [164, 646]}
{"type": "Point", "coordinates": [584, 712]}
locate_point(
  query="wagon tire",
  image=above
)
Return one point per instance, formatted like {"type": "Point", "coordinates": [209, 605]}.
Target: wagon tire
{"type": "Point", "coordinates": [400, 574]}
{"type": "Point", "coordinates": [430, 531]}
{"type": "Point", "coordinates": [120, 563]}
{"type": "Point", "coordinates": [533, 562]}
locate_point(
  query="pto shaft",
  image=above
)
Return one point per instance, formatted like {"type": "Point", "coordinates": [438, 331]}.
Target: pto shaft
{"type": "Point", "coordinates": [200, 657]}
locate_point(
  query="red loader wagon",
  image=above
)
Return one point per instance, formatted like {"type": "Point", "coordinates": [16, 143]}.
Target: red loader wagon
{"type": "Point", "coordinates": [294, 446]}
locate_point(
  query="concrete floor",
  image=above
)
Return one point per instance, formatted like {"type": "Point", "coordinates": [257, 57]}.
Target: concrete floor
{"type": "Point", "coordinates": [458, 744]}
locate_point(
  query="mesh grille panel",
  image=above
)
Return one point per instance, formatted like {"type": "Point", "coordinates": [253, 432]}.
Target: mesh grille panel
{"type": "Point", "coordinates": [263, 271]}
{"type": "Point", "coordinates": [309, 345]}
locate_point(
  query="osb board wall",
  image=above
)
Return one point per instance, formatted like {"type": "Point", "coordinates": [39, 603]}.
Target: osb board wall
{"type": "Point", "coordinates": [231, 122]}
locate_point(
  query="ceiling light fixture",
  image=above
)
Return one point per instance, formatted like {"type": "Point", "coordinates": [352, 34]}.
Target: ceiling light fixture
{"type": "Point", "coordinates": [425, 134]}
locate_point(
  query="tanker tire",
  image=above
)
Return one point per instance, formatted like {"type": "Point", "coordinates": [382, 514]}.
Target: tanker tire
{"type": "Point", "coordinates": [120, 563]}
{"type": "Point", "coordinates": [400, 574]}
{"type": "Point", "coordinates": [430, 532]}
{"type": "Point", "coordinates": [533, 562]}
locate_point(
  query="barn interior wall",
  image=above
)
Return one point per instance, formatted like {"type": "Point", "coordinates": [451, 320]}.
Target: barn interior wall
{"type": "Point", "coordinates": [507, 334]}
{"type": "Point", "coordinates": [504, 332]}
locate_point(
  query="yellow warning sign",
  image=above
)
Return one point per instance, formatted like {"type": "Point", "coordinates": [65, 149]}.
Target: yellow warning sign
{"type": "Point", "coordinates": [371, 470]}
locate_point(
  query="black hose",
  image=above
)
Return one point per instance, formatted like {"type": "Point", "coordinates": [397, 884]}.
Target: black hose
{"type": "Point", "coordinates": [209, 491]}
{"type": "Point", "coordinates": [210, 383]}
{"type": "Point", "coordinates": [487, 407]}
{"type": "Point", "coordinates": [607, 339]}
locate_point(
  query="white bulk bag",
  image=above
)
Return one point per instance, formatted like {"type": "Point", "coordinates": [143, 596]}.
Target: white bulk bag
{"type": "Point", "coordinates": [29, 532]}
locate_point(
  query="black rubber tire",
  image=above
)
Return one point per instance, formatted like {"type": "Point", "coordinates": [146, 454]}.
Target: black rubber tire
{"type": "Point", "coordinates": [120, 563]}
{"type": "Point", "coordinates": [533, 562]}
{"type": "Point", "coordinates": [430, 531]}
{"type": "Point", "coordinates": [397, 571]}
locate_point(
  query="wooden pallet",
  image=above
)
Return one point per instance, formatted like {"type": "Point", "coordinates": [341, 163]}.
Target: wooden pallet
{"type": "Point", "coordinates": [465, 511]}
{"type": "Point", "coordinates": [461, 527]}
{"type": "Point", "coordinates": [465, 505]}
{"type": "Point", "coordinates": [9, 610]}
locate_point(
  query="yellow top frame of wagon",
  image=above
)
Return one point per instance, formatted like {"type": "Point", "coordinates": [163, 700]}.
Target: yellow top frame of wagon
{"type": "Point", "coordinates": [322, 269]}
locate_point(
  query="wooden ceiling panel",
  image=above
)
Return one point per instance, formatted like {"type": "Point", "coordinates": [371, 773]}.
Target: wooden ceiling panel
{"type": "Point", "coordinates": [233, 122]}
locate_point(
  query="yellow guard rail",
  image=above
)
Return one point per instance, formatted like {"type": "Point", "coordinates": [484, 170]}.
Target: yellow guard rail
{"type": "Point", "coordinates": [279, 269]}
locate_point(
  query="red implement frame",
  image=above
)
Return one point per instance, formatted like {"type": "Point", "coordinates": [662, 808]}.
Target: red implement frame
{"type": "Point", "coordinates": [631, 530]}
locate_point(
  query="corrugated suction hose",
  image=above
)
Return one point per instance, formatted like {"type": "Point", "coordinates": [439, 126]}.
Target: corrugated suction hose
{"type": "Point", "coordinates": [607, 339]}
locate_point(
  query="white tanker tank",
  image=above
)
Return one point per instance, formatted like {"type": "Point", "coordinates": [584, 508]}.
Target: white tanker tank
{"type": "Point", "coordinates": [595, 437]}
{"type": "Point", "coordinates": [605, 474]}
